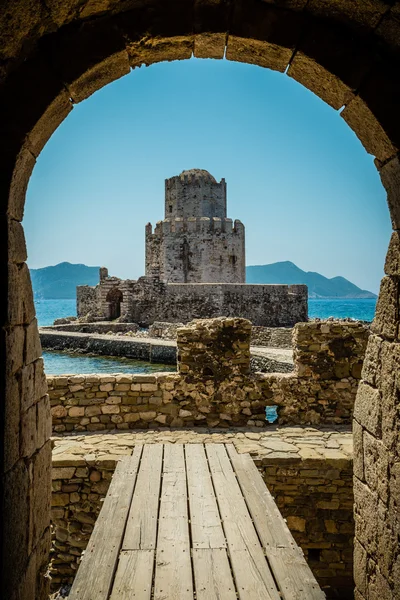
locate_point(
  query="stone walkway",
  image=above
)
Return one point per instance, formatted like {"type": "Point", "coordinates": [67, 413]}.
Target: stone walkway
{"type": "Point", "coordinates": [277, 443]}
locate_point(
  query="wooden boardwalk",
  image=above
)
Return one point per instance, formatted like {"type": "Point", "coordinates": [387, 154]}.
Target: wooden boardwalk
{"type": "Point", "coordinates": [193, 521]}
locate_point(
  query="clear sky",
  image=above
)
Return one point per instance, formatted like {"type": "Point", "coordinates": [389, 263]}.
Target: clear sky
{"type": "Point", "coordinates": [297, 176]}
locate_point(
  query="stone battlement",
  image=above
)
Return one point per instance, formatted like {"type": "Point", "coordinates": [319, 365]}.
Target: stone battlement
{"type": "Point", "coordinates": [195, 224]}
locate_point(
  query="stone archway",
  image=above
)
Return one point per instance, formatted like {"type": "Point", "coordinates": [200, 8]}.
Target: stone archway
{"type": "Point", "coordinates": [55, 54]}
{"type": "Point", "coordinates": [114, 299]}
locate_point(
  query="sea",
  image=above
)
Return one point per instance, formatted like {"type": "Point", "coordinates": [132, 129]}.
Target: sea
{"type": "Point", "coordinates": [58, 363]}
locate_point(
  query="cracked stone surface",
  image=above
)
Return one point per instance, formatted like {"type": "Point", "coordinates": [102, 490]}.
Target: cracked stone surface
{"type": "Point", "coordinates": [298, 443]}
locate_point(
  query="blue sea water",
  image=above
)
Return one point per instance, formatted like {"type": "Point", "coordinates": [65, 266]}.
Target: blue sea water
{"type": "Point", "coordinates": [57, 363]}
{"type": "Point", "coordinates": [363, 309]}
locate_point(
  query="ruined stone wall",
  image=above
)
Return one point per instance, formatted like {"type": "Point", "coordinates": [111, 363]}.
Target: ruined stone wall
{"type": "Point", "coordinates": [376, 430]}
{"type": "Point", "coordinates": [163, 330]}
{"type": "Point", "coordinates": [265, 305]}
{"type": "Point", "coordinates": [102, 327]}
{"type": "Point", "coordinates": [214, 386]}
{"type": "Point", "coordinates": [87, 301]}
{"type": "Point", "coordinates": [272, 337]}
{"type": "Point", "coordinates": [196, 250]}
{"type": "Point", "coordinates": [315, 496]}
{"type": "Point", "coordinates": [79, 484]}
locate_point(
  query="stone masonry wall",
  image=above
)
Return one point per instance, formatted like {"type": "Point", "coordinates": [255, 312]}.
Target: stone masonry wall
{"type": "Point", "coordinates": [148, 300]}
{"type": "Point", "coordinates": [214, 386]}
{"type": "Point", "coordinates": [266, 305]}
{"type": "Point", "coordinates": [376, 430]}
{"type": "Point", "coordinates": [274, 337]}
{"type": "Point", "coordinates": [196, 250]}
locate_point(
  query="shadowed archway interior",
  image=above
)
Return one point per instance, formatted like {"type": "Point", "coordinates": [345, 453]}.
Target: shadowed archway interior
{"type": "Point", "coordinates": [55, 54]}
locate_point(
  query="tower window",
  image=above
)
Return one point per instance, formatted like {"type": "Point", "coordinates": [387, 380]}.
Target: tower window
{"type": "Point", "coordinates": [233, 259]}
{"type": "Point", "coordinates": [170, 208]}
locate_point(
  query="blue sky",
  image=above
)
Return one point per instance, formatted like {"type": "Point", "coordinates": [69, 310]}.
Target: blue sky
{"type": "Point", "coordinates": [297, 176]}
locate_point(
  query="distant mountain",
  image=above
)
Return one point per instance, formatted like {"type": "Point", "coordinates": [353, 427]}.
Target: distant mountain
{"type": "Point", "coordinates": [61, 280]}
{"type": "Point", "coordinates": [318, 285]}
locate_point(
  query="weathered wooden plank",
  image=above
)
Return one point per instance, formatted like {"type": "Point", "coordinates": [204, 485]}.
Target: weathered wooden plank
{"type": "Point", "coordinates": [252, 575]}
{"type": "Point", "coordinates": [173, 577]}
{"type": "Point", "coordinates": [96, 571]}
{"type": "Point", "coordinates": [268, 521]}
{"type": "Point", "coordinates": [134, 575]}
{"type": "Point", "coordinates": [205, 522]}
{"type": "Point", "coordinates": [293, 575]}
{"type": "Point", "coordinates": [212, 575]}
{"type": "Point", "coordinates": [141, 527]}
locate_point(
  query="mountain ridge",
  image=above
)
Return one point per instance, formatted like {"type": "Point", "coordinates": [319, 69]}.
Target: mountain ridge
{"type": "Point", "coordinates": [319, 286]}
{"type": "Point", "coordinates": [60, 281]}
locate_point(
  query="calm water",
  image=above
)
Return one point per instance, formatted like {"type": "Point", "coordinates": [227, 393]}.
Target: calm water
{"type": "Point", "coordinates": [57, 363]}
{"type": "Point", "coordinates": [355, 309]}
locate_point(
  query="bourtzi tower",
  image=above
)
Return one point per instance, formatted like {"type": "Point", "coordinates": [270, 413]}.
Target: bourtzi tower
{"type": "Point", "coordinates": [196, 242]}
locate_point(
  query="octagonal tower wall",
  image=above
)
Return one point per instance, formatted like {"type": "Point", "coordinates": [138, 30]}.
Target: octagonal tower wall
{"type": "Point", "coordinates": [195, 193]}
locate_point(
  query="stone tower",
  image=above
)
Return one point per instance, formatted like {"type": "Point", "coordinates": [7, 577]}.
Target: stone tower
{"type": "Point", "coordinates": [196, 242]}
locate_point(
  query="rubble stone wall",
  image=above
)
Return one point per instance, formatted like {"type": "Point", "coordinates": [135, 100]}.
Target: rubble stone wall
{"type": "Point", "coordinates": [214, 386]}
{"type": "Point", "coordinates": [376, 430]}
{"type": "Point", "coordinates": [272, 337]}
{"type": "Point", "coordinates": [315, 496]}
{"type": "Point", "coordinates": [148, 300]}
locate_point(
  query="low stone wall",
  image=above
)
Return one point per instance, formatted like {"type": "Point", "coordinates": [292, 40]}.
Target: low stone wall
{"type": "Point", "coordinates": [160, 351]}
{"type": "Point", "coordinates": [272, 337]}
{"type": "Point", "coordinates": [163, 330]}
{"type": "Point", "coordinates": [100, 327]}
{"type": "Point", "coordinates": [308, 471]}
{"type": "Point", "coordinates": [214, 386]}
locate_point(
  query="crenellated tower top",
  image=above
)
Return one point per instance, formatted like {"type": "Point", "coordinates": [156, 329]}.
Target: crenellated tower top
{"type": "Point", "coordinates": [195, 193]}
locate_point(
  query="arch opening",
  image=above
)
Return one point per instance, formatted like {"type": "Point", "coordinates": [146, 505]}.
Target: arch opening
{"type": "Point", "coordinates": [348, 58]}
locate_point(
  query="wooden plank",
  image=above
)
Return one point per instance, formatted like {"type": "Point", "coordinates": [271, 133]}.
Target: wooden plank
{"type": "Point", "coordinates": [293, 575]}
{"type": "Point", "coordinates": [212, 575]}
{"type": "Point", "coordinates": [141, 527]}
{"type": "Point", "coordinates": [205, 522]}
{"type": "Point", "coordinates": [95, 574]}
{"type": "Point", "coordinates": [134, 575]}
{"type": "Point", "coordinates": [268, 521]}
{"type": "Point", "coordinates": [252, 575]}
{"type": "Point", "coordinates": [173, 577]}
{"type": "Point", "coordinates": [291, 571]}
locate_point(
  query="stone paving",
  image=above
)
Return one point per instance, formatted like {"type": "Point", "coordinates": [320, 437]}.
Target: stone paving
{"type": "Point", "coordinates": [286, 443]}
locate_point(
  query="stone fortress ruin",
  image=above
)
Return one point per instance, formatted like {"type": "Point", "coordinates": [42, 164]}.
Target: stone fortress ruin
{"type": "Point", "coordinates": [195, 268]}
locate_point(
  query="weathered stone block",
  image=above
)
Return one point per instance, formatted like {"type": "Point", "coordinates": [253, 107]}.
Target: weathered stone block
{"type": "Point", "coordinates": [15, 340]}
{"type": "Point", "coordinates": [376, 464]}
{"type": "Point", "coordinates": [16, 526]}
{"type": "Point", "coordinates": [387, 309]}
{"type": "Point", "coordinates": [390, 176]}
{"type": "Point", "coordinates": [16, 242]}
{"type": "Point", "coordinates": [372, 365]}
{"type": "Point", "coordinates": [40, 499]}
{"type": "Point", "coordinates": [28, 437]}
{"type": "Point", "coordinates": [360, 568]}
{"type": "Point", "coordinates": [365, 515]}
{"type": "Point", "coordinates": [22, 172]}
{"type": "Point", "coordinates": [367, 128]}
{"type": "Point", "coordinates": [258, 52]}
{"type": "Point", "coordinates": [358, 454]}
{"type": "Point", "coordinates": [209, 45]}
{"type": "Point", "coordinates": [367, 408]}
